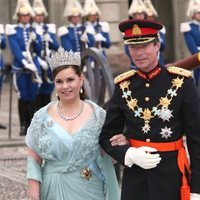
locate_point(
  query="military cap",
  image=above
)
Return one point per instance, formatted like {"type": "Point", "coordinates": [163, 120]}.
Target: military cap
{"type": "Point", "coordinates": [139, 31]}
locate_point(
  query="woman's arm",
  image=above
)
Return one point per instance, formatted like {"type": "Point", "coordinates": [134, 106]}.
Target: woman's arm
{"type": "Point", "coordinates": [33, 185]}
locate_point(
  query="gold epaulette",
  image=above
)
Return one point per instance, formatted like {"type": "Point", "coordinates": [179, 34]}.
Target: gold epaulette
{"type": "Point", "coordinates": [179, 71]}
{"type": "Point", "coordinates": [124, 76]}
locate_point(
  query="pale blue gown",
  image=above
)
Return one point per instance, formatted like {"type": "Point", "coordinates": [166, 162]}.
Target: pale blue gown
{"type": "Point", "coordinates": [65, 155]}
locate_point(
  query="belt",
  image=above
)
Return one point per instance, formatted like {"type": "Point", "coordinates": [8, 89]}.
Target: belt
{"type": "Point", "coordinates": [182, 159]}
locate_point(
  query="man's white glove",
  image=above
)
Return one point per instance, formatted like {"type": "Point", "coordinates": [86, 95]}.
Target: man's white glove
{"type": "Point", "coordinates": [43, 64]}
{"type": "Point", "coordinates": [47, 37]}
{"type": "Point", "coordinates": [29, 66]}
{"type": "Point", "coordinates": [142, 157]}
{"type": "Point", "coordinates": [194, 196]}
{"type": "Point", "coordinates": [99, 37]}
{"type": "Point", "coordinates": [84, 37]}
{"type": "Point", "coordinates": [32, 36]}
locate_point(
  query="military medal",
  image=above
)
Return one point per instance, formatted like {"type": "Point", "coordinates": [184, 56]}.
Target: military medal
{"type": "Point", "coordinates": [161, 110]}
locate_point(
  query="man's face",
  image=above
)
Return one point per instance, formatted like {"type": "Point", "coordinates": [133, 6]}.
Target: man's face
{"type": "Point", "coordinates": [197, 16]}
{"type": "Point", "coordinates": [93, 18]}
{"type": "Point", "coordinates": [139, 16]}
{"type": "Point", "coordinates": [75, 19]}
{"type": "Point", "coordinates": [145, 55]}
{"type": "Point", "coordinates": [24, 19]}
{"type": "Point", "coordinates": [39, 18]}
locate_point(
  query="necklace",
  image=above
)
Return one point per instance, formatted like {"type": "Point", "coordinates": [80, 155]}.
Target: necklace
{"type": "Point", "coordinates": [69, 118]}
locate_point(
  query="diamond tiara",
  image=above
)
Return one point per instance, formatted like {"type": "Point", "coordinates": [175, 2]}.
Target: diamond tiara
{"type": "Point", "coordinates": [62, 57]}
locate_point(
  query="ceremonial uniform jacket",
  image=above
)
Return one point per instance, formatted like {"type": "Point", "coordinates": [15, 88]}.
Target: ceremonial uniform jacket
{"type": "Point", "coordinates": [70, 37]}
{"type": "Point", "coordinates": [2, 46]}
{"type": "Point", "coordinates": [162, 39]}
{"type": "Point", "coordinates": [191, 32]}
{"type": "Point", "coordinates": [18, 36]}
{"type": "Point", "coordinates": [159, 107]}
{"type": "Point", "coordinates": [103, 28]}
{"type": "Point", "coordinates": [41, 30]}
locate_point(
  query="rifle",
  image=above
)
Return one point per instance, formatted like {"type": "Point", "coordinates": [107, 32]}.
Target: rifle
{"type": "Point", "coordinates": [98, 43]}
{"type": "Point", "coordinates": [189, 63]}
{"type": "Point", "coordinates": [46, 56]}
{"type": "Point", "coordinates": [35, 76]}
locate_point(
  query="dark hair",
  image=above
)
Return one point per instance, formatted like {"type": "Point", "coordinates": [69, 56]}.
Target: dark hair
{"type": "Point", "coordinates": [77, 70]}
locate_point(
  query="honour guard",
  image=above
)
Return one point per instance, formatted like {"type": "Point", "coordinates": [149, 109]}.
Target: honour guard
{"type": "Point", "coordinates": [151, 14]}
{"type": "Point", "coordinates": [47, 38]}
{"type": "Point", "coordinates": [2, 65]}
{"type": "Point", "coordinates": [98, 29]}
{"type": "Point", "coordinates": [137, 10]}
{"type": "Point", "coordinates": [157, 106]}
{"type": "Point", "coordinates": [22, 41]}
{"type": "Point", "coordinates": [73, 36]}
{"type": "Point", "coordinates": [191, 31]}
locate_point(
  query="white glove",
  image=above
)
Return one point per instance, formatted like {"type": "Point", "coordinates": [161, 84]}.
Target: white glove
{"type": "Point", "coordinates": [32, 36]}
{"type": "Point", "coordinates": [43, 64]}
{"type": "Point", "coordinates": [84, 37]}
{"type": "Point", "coordinates": [29, 66]}
{"type": "Point", "coordinates": [142, 157]}
{"type": "Point", "coordinates": [47, 37]}
{"type": "Point", "coordinates": [194, 196]}
{"type": "Point", "coordinates": [99, 37]}
{"type": "Point", "coordinates": [1, 29]}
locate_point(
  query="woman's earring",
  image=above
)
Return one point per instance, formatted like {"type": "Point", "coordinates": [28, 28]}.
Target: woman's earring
{"type": "Point", "coordinates": [81, 91]}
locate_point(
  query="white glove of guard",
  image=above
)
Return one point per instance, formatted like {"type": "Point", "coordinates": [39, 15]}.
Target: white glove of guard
{"type": "Point", "coordinates": [32, 36]}
{"type": "Point", "coordinates": [84, 37]}
{"type": "Point", "coordinates": [142, 157]}
{"type": "Point", "coordinates": [43, 64]}
{"type": "Point", "coordinates": [29, 66]}
{"type": "Point", "coordinates": [99, 37]}
{"type": "Point", "coordinates": [47, 37]}
{"type": "Point", "coordinates": [194, 196]}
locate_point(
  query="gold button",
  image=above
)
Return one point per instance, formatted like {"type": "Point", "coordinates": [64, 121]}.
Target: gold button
{"type": "Point", "coordinates": [147, 85]}
{"type": "Point", "coordinates": [146, 98]}
{"type": "Point", "coordinates": [148, 140]}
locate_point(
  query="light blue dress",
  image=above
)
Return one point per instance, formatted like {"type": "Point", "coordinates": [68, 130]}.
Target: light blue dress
{"type": "Point", "coordinates": [66, 155]}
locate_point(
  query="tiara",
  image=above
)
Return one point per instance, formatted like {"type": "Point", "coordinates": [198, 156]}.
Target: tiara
{"type": "Point", "coordinates": [62, 57]}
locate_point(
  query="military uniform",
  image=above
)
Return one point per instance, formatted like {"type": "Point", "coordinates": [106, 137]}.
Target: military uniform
{"type": "Point", "coordinates": [25, 85]}
{"type": "Point", "coordinates": [155, 112]}
{"type": "Point", "coordinates": [101, 28]}
{"type": "Point", "coordinates": [2, 46]}
{"type": "Point", "coordinates": [46, 88]}
{"type": "Point", "coordinates": [2, 64]}
{"type": "Point", "coordinates": [191, 32]}
{"type": "Point", "coordinates": [70, 37]}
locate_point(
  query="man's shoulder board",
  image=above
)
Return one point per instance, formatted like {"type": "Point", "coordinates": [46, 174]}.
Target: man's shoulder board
{"type": "Point", "coordinates": [124, 76]}
{"type": "Point", "coordinates": [179, 71]}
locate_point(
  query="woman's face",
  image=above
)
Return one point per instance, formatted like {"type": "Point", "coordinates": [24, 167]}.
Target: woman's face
{"type": "Point", "coordinates": [68, 84]}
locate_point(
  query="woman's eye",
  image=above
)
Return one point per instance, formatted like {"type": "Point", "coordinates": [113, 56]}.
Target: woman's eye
{"type": "Point", "coordinates": [70, 79]}
{"type": "Point", "coordinates": [58, 81]}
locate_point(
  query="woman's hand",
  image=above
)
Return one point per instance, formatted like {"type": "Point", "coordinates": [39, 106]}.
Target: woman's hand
{"type": "Point", "coordinates": [119, 140]}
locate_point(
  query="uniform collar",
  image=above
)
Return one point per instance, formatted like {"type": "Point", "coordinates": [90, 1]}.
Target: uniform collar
{"type": "Point", "coordinates": [74, 26]}
{"type": "Point", "coordinates": [194, 21]}
{"type": "Point", "coordinates": [24, 25]}
{"type": "Point", "coordinates": [150, 75]}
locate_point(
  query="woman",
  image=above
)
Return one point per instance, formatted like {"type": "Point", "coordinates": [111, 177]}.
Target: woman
{"type": "Point", "coordinates": [64, 158]}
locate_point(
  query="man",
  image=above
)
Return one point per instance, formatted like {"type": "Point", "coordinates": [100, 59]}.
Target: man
{"type": "Point", "coordinates": [137, 10]}
{"type": "Point", "coordinates": [191, 31]}
{"type": "Point", "coordinates": [151, 14]}
{"type": "Point", "coordinates": [48, 41]}
{"type": "Point", "coordinates": [26, 70]}
{"type": "Point", "coordinates": [71, 36]}
{"type": "Point", "coordinates": [2, 66]}
{"type": "Point", "coordinates": [97, 29]}
{"type": "Point", "coordinates": [156, 105]}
